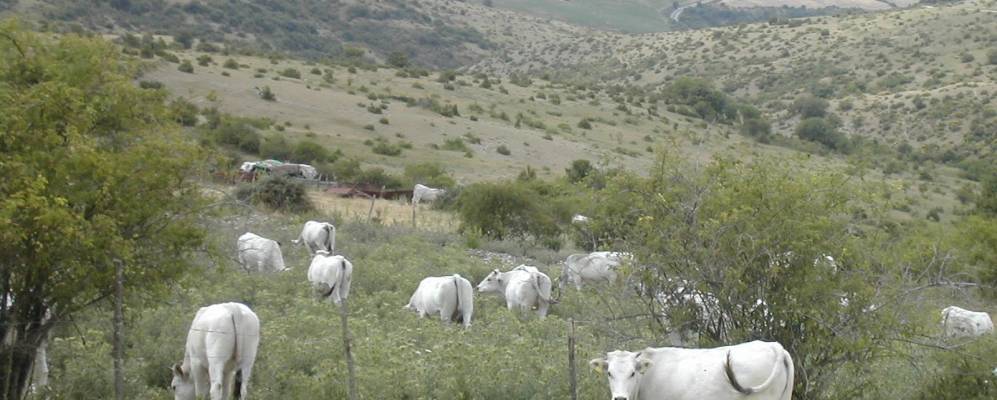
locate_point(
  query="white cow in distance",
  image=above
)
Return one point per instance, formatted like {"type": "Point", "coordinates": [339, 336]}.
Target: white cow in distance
{"type": "Point", "coordinates": [317, 236]}
{"type": "Point", "coordinates": [423, 192]}
{"type": "Point", "coordinates": [222, 341]}
{"type": "Point", "coordinates": [257, 253]}
{"type": "Point", "coordinates": [579, 219]}
{"type": "Point", "coordinates": [959, 322]}
{"type": "Point", "coordinates": [450, 296]}
{"type": "Point", "coordinates": [748, 371]}
{"type": "Point", "coordinates": [582, 268]}
{"type": "Point", "coordinates": [523, 288]}
{"type": "Point", "coordinates": [330, 276]}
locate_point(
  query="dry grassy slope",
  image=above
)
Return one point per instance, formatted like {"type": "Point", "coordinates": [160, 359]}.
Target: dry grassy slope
{"type": "Point", "coordinates": [772, 64]}
{"type": "Point", "coordinates": [336, 118]}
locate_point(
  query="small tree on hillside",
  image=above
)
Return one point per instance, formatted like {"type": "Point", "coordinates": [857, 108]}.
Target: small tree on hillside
{"type": "Point", "coordinates": [579, 170]}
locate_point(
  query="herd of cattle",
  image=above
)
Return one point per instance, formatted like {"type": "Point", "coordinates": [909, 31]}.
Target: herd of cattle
{"type": "Point", "coordinates": [223, 338]}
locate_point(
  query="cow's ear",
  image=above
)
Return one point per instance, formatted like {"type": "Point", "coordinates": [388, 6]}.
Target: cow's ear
{"type": "Point", "coordinates": [643, 365]}
{"type": "Point", "coordinates": [178, 371]}
{"type": "Point", "coordinates": [599, 365]}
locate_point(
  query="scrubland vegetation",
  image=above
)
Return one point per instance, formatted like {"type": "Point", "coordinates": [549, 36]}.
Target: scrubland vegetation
{"type": "Point", "coordinates": [709, 174]}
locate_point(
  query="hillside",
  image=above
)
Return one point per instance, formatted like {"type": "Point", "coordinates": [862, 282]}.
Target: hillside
{"type": "Point", "coordinates": [903, 78]}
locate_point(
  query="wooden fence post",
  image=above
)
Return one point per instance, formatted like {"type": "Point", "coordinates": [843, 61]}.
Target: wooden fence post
{"type": "Point", "coordinates": [572, 378]}
{"type": "Point", "coordinates": [348, 350]}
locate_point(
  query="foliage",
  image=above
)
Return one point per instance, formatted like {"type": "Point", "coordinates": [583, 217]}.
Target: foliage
{"type": "Point", "coordinates": [579, 170]}
{"type": "Point", "coordinates": [276, 147]}
{"type": "Point", "coordinates": [307, 151]}
{"type": "Point", "coordinates": [822, 131]}
{"type": "Point", "coordinates": [707, 102]}
{"type": "Point", "coordinates": [965, 373]}
{"type": "Point", "coordinates": [429, 174]}
{"type": "Point", "coordinates": [810, 106]}
{"type": "Point", "coordinates": [186, 66]}
{"type": "Point", "coordinates": [503, 150]}
{"type": "Point", "coordinates": [267, 94]}
{"type": "Point", "coordinates": [276, 193]}
{"type": "Point", "coordinates": [291, 73]}
{"type": "Point", "coordinates": [722, 231]}
{"type": "Point", "coordinates": [508, 210]}
{"type": "Point", "coordinates": [94, 174]}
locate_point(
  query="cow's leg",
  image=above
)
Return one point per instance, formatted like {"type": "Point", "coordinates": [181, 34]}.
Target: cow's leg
{"type": "Point", "coordinates": [344, 286]}
{"type": "Point", "coordinates": [247, 372]}
{"type": "Point", "coordinates": [216, 375]}
{"type": "Point", "coordinates": [542, 308]}
{"type": "Point", "coordinates": [227, 381]}
{"type": "Point", "coordinates": [202, 384]}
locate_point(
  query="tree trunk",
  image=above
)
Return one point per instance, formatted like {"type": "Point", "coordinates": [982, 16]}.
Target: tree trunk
{"type": "Point", "coordinates": [17, 357]}
{"type": "Point", "coordinates": [119, 331]}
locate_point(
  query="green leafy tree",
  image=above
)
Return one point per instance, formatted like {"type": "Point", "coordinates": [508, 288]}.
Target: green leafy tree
{"type": "Point", "coordinates": [95, 175]}
{"type": "Point", "coordinates": [822, 131]}
{"type": "Point", "coordinates": [507, 210]}
{"type": "Point", "coordinates": [748, 235]}
{"type": "Point", "coordinates": [810, 106]}
{"type": "Point", "coordinates": [579, 170]}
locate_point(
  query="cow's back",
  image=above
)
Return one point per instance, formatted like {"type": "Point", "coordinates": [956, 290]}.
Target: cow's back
{"type": "Point", "coordinates": [694, 374]}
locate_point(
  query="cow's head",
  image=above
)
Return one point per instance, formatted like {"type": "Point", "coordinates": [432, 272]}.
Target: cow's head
{"type": "Point", "coordinates": [182, 384]}
{"type": "Point", "coordinates": [491, 283]}
{"type": "Point", "coordinates": [624, 370]}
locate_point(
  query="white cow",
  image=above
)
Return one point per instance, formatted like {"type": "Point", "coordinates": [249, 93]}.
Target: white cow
{"type": "Point", "coordinates": [330, 276]}
{"type": "Point", "coordinates": [450, 296]}
{"type": "Point", "coordinates": [579, 219]}
{"type": "Point", "coordinates": [308, 171]}
{"type": "Point", "coordinates": [257, 253]}
{"type": "Point", "coordinates": [524, 287]}
{"type": "Point", "coordinates": [581, 268]}
{"type": "Point", "coordinates": [317, 236]}
{"type": "Point", "coordinates": [748, 371]}
{"type": "Point", "coordinates": [964, 323]}
{"type": "Point", "coordinates": [222, 340]}
{"type": "Point", "coordinates": [422, 192]}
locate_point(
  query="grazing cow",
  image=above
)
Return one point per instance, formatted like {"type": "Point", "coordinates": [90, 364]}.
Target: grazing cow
{"type": "Point", "coordinates": [451, 296]}
{"type": "Point", "coordinates": [748, 371]}
{"type": "Point", "coordinates": [964, 323]}
{"type": "Point", "coordinates": [257, 253]}
{"type": "Point", "coordinates": [523, 287]}
{"type": "Point", "coordinates": [330, 276]}
{"type": "Point", "coordinates": [222, 341]}
{"type": "Point", "coordinates": [595, 267]}
{"type": "Point", "coordinates": [422, 192]}
{"type": "Point", "coordinates": [317, 236]}
{"type": "Point", "coordinates": [579, 219]}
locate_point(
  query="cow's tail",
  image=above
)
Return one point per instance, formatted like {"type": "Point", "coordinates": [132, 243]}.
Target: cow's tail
{"type": "Point", "coordinates": [330, 237]}
{"type": "Point", "coordinates": [237, 356]}
{"type": "Point", "coordinates": [541, 283]}
{"type": "Point", "coordinates": [456, 287]}
{"type": "Point", "coordinates": [781, 360]}
{"type": "Point", "coordinates": [465, 305]}
{"type": "Point", "coordinates": [300, 239]}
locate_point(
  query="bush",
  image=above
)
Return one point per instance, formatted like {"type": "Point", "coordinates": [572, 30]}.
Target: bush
{"type": "Point", "coordinates": [231, 64]}
{"type": "Point", "coordinates": [507, 210]}
{"type": "Point", "coordinates": [821, 131]}
{"type": "Point", "coordinates": [503, 150]}
{"type": "Point", "coordinates": [276, 147]}
{"type": "Point", "coordinates": [809, 106]}
{"type": "Point", "coordinates": [204, 60]}
{"type": "Point", "coordinates": [186, 66]}
{"type": "Point", "coordinates": [276, 193]}
{"type": "Point", "coordinates": [579, 170]}
{"type": "Point", "coordinates": [307, 151]}
{"type": "Point", "coordinates": [291, 73]}
{"type": "Point", "coordinates": [585, 124]}
{"type": "Point", "coordinates": [267, 94]}
{"type": "Point", "coordinates": [756, 128]}
{"type": "Point", "coordinates": [429, 174]}
{"type": "Point", "coordinates": [992, 57]}
{"type": "Point", "coordinates": [152, 85]}
{"type": "Point", "coordinates": [384, 148]}
{"type": "Point", "coordinates": [184, 112]}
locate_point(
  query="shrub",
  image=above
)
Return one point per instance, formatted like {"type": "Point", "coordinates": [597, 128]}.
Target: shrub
{"type": "Point", "coordinates": [384, 148]}
{"type": "Point", "coordinates": [992, 57]}
{"type": "Point", "coordinates": [821, 131]}
{"type": "Point", "coordinates": [585, 124]}
{"type": "Point", "coordinates": [503, 150]}
{"type": "Point", "coordinates": [267, 94]}
{"type": "Point", "coordinates": [307, 151]}
{"type": "Point", "coordinates": [276, 193]}
{"type": "Point", "coordinates": [810, 106]}
{"type": "Point", "coordinates": [186, 66]}
{"type": "Point", "coordinates": [276, 147]}
{"type": "Point", "coordinates": [204, 60]}
{"type": "Point", "coordinates": [579, 170]}
{"type": "Point", "coordinates": [231, 64]}
{"type": "Point", "coordinates": [291, 73]}
{"type": "Point", "coordinates": [184, 112]}
{"type": "Point", "coordinates": [506, 210]}
{"type": "Point", "coordinates": [429, 174]}
{"type": "Point", "coordinates": [150, 85]}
